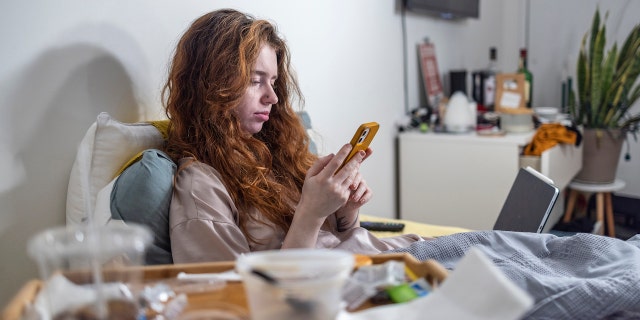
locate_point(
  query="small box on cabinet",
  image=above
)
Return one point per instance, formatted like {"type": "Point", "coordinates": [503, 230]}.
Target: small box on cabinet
{"type": "Point", "coordinates": [530, 161]}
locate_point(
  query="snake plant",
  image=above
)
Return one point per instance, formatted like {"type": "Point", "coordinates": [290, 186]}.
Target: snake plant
{"type": "Point", "coordinates": [607, 85]}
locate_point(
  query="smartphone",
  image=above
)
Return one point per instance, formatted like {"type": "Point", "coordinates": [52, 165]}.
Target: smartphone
{"type": "Point", "coordinates": [361, 140]}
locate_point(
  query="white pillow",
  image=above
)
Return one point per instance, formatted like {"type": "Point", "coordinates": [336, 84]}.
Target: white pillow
{"type": "Point", "coordinates": [105, 148]}
{"type": "Point", "coordinates": [102, 208]}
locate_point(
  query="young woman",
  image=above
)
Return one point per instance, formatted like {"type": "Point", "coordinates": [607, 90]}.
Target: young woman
{"type": "Point", "coordinates": [246, 180]}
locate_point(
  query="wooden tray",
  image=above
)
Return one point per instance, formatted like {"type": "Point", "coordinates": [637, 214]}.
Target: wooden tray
{"type": "Point", "coordinates": [233, 292]}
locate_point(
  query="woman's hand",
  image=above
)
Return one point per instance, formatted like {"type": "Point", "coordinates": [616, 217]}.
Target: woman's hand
{"type": "Point", "coordinates": [347, 216]}
{"type": "Point", "coordinates": [323, 193]}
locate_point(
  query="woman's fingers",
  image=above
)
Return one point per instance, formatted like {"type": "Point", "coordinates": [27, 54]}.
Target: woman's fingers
{"type": "Point", "coordinates": [319, 165]}
{"type": "Point", "coordinates": [356, 179]}
{"type": "Point", "coordinates": [335, 163]}
{"type": "Point", "coordinates": [361, 192]}
{"type": "Point", "coordinates": [368, 152]}
{"type": "Point", "coordinates": [347, 173]}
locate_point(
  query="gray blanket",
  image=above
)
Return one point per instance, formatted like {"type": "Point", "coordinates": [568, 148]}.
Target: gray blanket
{"type": "Point", "coordinates": [583, 276]}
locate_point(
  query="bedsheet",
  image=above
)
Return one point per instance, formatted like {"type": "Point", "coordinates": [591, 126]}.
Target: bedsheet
{"type": "Point", "coordinates": [421, 229]}
{"type": "Point", "coordinates": [583, 276]}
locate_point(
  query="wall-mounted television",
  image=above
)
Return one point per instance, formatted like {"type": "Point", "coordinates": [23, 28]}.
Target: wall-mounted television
{"type": "Point", "coordinates": [446, 9]}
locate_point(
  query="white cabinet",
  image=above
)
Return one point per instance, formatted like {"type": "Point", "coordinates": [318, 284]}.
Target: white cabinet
{"type": "Point", "coordinates": [462, 180]}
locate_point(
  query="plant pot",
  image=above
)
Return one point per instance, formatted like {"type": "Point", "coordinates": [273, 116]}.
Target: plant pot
{"type": "Point", "coordinates": [600, 155]}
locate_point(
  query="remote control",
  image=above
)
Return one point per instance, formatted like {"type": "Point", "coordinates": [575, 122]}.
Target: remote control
{"type": "Point", "coordinates": [382, 226]}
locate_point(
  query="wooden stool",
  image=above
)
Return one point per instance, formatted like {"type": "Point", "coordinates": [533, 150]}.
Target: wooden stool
{"type": "Point", "coordinates": [603, 201]}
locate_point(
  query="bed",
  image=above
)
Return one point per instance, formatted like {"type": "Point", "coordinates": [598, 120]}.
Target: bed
{"type": "Point", "coordinates": [582, 276]}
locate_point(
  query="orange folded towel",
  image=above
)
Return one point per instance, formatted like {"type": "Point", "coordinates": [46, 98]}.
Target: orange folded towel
{"type": "Point", "coordinates": [547, 136]}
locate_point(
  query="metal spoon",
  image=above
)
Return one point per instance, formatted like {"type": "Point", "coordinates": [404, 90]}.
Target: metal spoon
{"type": "Point", "coordinates": [300, 305]}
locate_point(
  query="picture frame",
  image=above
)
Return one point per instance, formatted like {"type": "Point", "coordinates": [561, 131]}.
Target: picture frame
{"type": "Point", "coordinates": [510, 90]}
{"type": "Point", "coordinates": [430, 73]}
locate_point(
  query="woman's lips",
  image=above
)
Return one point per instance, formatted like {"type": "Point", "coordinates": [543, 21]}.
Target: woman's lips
{"type": "Point", "coordinates": [263, 116]}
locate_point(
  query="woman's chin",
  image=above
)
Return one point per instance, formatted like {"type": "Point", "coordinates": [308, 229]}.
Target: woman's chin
{"type": "Point", "coordinates": [254, 128]}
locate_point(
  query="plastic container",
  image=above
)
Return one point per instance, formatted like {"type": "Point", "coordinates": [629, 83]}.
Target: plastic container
{"type": "Point", "coordinates": [547, 114]}
{"type": "Point", "coordinates": [86, 270]}
{"type": "Point", "coordinates": [516, 122]}
{"type": "Point", "coordinates": [308, 285]}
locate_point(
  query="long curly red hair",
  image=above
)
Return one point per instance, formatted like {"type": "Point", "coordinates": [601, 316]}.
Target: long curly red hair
{"type": "Point", "coordinates": [208, 76]}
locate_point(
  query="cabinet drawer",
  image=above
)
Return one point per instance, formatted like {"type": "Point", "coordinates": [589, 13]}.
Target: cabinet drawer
{"type": "Point", "coordinates": [560, 163]}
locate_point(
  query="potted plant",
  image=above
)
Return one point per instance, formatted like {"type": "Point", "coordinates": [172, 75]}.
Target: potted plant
{"type": "Point", "coordinates": [607, 88]}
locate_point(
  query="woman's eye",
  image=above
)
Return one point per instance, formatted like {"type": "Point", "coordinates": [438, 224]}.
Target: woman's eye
{"type": "Point", "coordinates": [262, 82]}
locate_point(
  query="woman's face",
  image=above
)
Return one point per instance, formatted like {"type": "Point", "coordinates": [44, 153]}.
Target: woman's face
{"type": "Point", "coordinates": [255, 105]}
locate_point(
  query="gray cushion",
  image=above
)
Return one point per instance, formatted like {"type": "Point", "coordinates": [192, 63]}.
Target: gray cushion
{"type": "Point", "coordinates": [142, 194]}
{"type": "Point", "coordinates": [306, 121]}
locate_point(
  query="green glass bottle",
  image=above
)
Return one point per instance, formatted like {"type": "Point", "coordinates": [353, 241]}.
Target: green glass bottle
{"type": "Point", "coordinates": [528, 77]}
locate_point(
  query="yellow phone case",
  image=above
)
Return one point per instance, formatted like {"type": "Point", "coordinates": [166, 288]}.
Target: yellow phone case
{"type": "Point", "coordinates": [361, 140]}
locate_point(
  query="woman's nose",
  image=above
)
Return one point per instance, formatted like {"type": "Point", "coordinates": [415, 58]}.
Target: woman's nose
{"type": "Point", "coordinates": [270, 96]}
